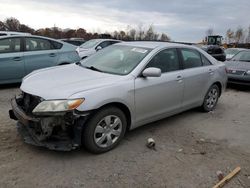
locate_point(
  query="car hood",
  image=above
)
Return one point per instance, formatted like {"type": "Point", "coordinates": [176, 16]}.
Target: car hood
{"type": "Point", "coordinates": [238, 65]}
{"type": "Point", "coordinates": [63, 81]}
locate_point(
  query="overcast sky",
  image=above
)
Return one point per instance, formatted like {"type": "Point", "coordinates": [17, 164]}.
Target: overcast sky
{"type": "Point", "coordinates": [182, 20]}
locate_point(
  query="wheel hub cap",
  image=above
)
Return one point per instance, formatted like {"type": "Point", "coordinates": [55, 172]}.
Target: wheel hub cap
{"type": "Point", "coordinates": [212, 98]}
{"type": "Point", "coordinates": [107, 131]}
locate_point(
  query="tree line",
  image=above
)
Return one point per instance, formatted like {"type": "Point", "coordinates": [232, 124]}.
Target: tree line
{"type": "Point", "coordinates": [139, 33]}
{"type": "Point", "coordinates": [239, 35]}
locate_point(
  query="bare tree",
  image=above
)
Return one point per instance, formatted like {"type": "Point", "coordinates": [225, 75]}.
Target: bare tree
{"type": "Point", "coordinates": [238, 34]}
{"type": "Point", "coordinates": [164, 37]}
{"type": "Point", "coordinates": [132, 34]}
{"type": "Point", "coordinates": [81, 33]}
{"type": "Point", "coordinates": [140, 32]}
{"type": "Point", "coordinates": [150, 33]}
{"type": "Point", "coordinates": [12, 24]}
{"type": "Point", "coordinates": [26, 29]}
{"type": "Point", "coordinates": [230, 35]}
{"type": "Point", "coordinates": [122, 35]}
{"type": "Point", "coordinates": [2, 26]}
{"type": "Point", "coordinates": [248, 36]}
{"type": "Point", "coordinates": [116, 35]}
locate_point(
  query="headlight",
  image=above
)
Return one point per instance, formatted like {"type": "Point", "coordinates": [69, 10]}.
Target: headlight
{"type": "Point", "coordinates": [248, 72]}
{"type": "Point", "coordinates": [58, 105]}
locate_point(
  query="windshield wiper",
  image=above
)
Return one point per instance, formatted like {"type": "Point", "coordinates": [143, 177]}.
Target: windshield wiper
{"type": "Point", "coordinates": [93, 68]}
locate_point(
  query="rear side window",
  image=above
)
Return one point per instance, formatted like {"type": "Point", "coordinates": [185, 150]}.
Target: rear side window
{"type": "Point", "coordinates": [191, 58]}
{"type": "Point", "coordinates": [56, 45]}
{"type": "Point", "coordinates": [166, 60]}
{"type": "Point", "coordinates": [205, 61]}
{"type": "Point", "coordinates": [105, 44]}
{"type": "Point", "coordinates": [10, 45]}
{"type": "Point", "coordinates": [37, 44]}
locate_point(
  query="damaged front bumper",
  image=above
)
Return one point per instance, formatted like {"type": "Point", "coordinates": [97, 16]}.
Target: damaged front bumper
{"type": "Point", "coordinates": [55, 131]}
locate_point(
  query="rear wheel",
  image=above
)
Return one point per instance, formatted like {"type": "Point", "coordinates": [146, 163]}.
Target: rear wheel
{"type": "Point", "coordinates": [104, 130]}
{"type": "Point", "coordinates": [211, 98]}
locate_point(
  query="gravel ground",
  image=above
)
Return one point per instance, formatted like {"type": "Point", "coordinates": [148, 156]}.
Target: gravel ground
{"type": "Point", "coordinates": [190, 148]}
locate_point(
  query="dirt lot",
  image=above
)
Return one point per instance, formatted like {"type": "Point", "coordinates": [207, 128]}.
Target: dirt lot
{"type": "Point", "coordinates": [191, 147]}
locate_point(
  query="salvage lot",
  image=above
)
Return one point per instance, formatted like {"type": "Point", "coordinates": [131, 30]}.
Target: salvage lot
{"type": "Point", "coordinates": [190, 148]}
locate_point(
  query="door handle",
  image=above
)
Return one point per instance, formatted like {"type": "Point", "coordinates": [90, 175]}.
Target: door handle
{"type": "Point", "coordinates": [179, 78]}
{"type": "Point", "coordinates": [52, 55]}
{"type": "Point", "coordinates": [17, 58]}
{"type": "Point", "coordinates": [211, 71]}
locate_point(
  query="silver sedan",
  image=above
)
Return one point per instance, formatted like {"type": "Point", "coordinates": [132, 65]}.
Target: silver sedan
{"type": "Point", "coordinates": [123, 86]}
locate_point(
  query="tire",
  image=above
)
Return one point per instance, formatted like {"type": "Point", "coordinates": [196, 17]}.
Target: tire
{"type": "Point", "coordinates": [211, 99]}
{"type": "Point", "coordinates": [104, 130]}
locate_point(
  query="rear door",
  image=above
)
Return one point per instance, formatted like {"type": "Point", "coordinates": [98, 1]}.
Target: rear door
{"type": "Point", "coordinates": [196, 77]}
{"type": "Point", "coordinates": [11, 59]}
{"type": "Point", "coordinates": [156, 97]}
{"type": "Point", "coordinates": [39, 53]}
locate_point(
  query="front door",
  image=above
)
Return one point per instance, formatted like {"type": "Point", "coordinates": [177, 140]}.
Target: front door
{"type": "Point", "coordinates": [156, 97]}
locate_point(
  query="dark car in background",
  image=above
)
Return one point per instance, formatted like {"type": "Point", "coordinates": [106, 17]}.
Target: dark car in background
{"type": "Point", "coordinates": [216, 51]}
{"type": "Point", "coordinates": [214, 47]}
{"type": "Point", "coordinates": [74, 41]}
{"type": "Point", "coordinates": [239, 68]}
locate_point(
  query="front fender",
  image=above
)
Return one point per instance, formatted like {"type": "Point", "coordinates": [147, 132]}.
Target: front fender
{"type": "Point", "coordinates": [122, 92]}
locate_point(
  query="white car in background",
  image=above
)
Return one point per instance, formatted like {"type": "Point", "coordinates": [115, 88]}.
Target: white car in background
{"type": "Point", "coordinates": [92, 46]}
{"type": "Point", "coordinates": [11, 33]}
{"type": "Point", "coordinates": [231, 52]}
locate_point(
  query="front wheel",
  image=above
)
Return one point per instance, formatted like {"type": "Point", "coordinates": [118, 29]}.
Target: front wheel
{"type": "Point", "coordinates": [211, 99]}
{"type": "Point", "coordinates": [104, 130]}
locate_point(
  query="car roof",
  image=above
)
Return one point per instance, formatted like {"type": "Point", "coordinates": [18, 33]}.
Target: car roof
{"type": "Point", "coordinates": [10, 33]}
{"type": "Point", "coordinates": [101, 40]}
{"type": "Point", "coordinates": [34, 36]}
{"type": "Point", "coordinates": [153, 45]}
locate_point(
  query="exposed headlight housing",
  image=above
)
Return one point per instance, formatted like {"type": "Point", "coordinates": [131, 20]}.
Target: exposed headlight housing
{"type": "Point", "coordinates": [58, 105]}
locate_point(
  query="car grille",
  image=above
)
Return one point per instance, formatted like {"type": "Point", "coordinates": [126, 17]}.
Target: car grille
{"type": "Point", "coordinates": [29, 102]}
{"type": "Point", "coordinates": [237, 72]}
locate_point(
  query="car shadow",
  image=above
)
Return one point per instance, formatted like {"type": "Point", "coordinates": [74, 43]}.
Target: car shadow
{"type": "Point", "coordinates": [10, 86]}
{"type": "Point", "coordinates": [239, 87]}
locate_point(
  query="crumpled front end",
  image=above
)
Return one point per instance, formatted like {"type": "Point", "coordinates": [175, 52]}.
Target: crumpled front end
{"type": "Point", "coordinates": [56, 131]}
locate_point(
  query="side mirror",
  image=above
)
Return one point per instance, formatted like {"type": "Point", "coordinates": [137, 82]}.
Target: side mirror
{"type": "Point", "coordinates": [98, 48]}
{"type": "Point", "coordinates": [151, 72]}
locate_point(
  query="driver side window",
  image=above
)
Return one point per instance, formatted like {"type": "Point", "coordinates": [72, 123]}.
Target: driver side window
{"type": "Point", "coordinates": [166, 60]}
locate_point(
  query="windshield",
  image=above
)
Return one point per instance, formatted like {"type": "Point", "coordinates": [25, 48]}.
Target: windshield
{"type": "Point", "coordinates": [90, 43]}
{"type": "Point", "coordinates": [242, 56]}
{"type": "Point", "coordinates": [232, 51]}
{"type": "Point", "coordinates": [116, 59]}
